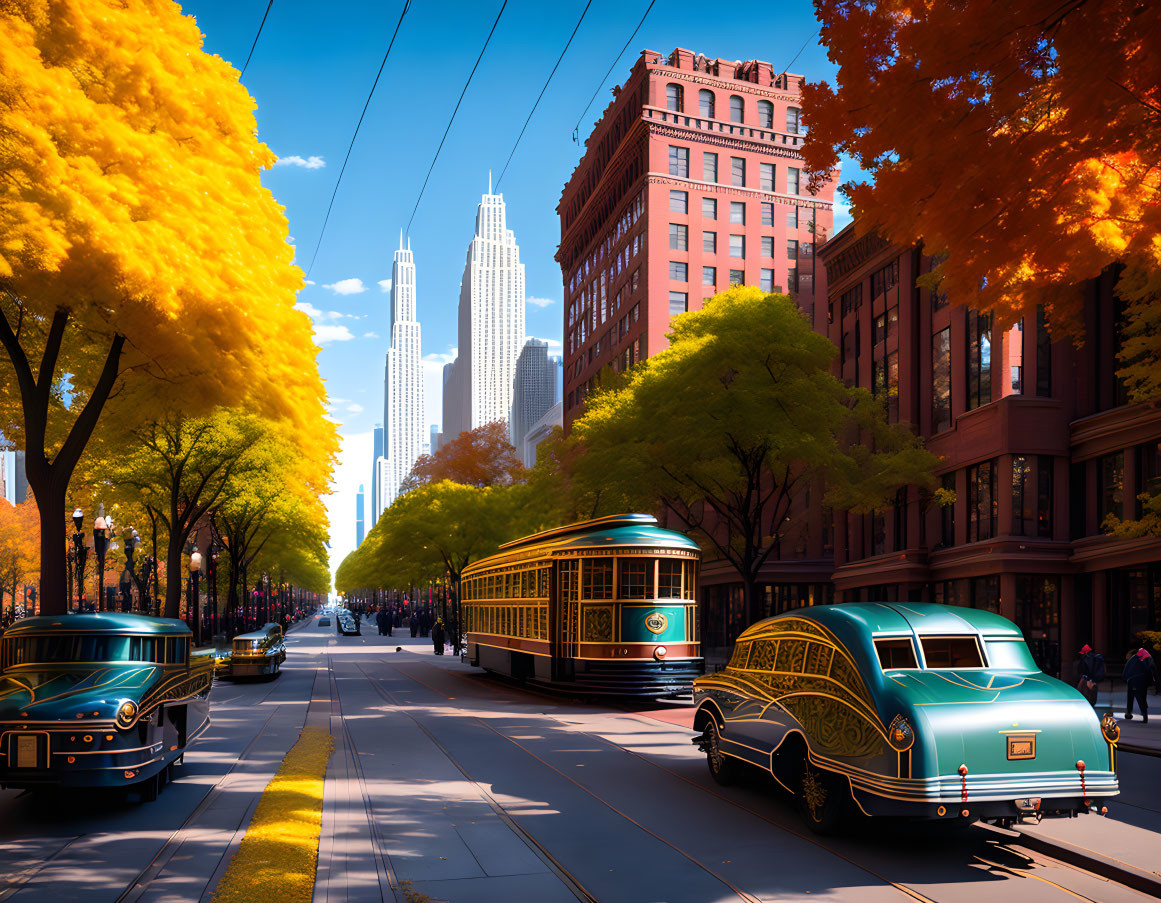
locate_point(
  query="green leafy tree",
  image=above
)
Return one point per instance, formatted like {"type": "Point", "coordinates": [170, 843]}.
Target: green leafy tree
{"type": "Point", "coordinates": [728, 425]}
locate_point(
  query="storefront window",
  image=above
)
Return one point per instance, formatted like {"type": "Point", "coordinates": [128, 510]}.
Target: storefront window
{"type": "Point", "coordinates": [1038, 615]}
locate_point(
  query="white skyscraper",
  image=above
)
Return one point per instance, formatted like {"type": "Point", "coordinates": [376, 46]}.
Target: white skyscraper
{"type": "Point", "coordinates": [404, 428]}
{"type": "Point", "coordinates": [491, 324]}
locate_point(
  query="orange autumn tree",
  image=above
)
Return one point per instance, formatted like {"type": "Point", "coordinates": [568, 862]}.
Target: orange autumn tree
{"type": "Point", "coordinates": [19, 530]}
{"type": "Point", "coordinates": [1023, 139]}
{"type": "Point", "coordinates": [479, 457]}
{"type": "Point", "coordinates": [142, 264]}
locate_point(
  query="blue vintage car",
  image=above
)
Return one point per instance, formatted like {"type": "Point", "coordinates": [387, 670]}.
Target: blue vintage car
{"type": "Point", "coordinates": [892, 709]}
{"type": "Point", "coordinates": [99, 700]}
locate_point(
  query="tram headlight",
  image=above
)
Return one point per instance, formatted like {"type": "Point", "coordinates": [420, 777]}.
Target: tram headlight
{"type": "Point", "coordinates": [126, 714]}
{"type": "Point", "coordinates": [659, 653]}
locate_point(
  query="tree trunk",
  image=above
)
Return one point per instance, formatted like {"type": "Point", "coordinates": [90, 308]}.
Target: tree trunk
{"type": "Point", "coordinates": [173, 575]}
{"type": "Point", "coordinates": [54, 594]}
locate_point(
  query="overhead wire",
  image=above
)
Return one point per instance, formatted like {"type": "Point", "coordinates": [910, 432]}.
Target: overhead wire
{"type": "Point", "coordinates": [453, 115]}
{"type": "Point", "coordinates": [786, 68]}
{"type": "Point", "coordinates": [350, 147]}
{"type": "Point", "coordinates": [567, 44]}
{"type": "Point", "coordinates": [605, 77]}
{"type": "Point", "coordinates": [261, 25]}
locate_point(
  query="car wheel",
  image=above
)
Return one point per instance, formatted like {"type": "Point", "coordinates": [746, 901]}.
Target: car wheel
{"type": "Point", "coordinates": [723, 769]}
{"type": "Point", "coordinates": [822, 798]}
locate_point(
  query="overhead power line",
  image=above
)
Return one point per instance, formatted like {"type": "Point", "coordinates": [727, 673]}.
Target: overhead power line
{"type": "Point", "coordinates": [257, 36]}
{"type": "Point", "coordinates": [350, 147]}
{"type": "Point", "coordinates": [786, 68]}
{"type": "Point", "coordinates": [567, 44]}
{"type": "Point", "coordinates": [453, 115]}
{"type": "Point", "coordinates": [616, 60]}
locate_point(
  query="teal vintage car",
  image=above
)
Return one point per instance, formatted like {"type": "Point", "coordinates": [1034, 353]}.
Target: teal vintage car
{"type": "Point", "coordinates": [917, 710]}
{"type": "Point", "coordinates": [259, 653]}
{"type": "Point", "coordinates": [99, 700]}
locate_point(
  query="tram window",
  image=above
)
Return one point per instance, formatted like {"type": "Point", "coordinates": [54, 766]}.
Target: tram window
{"type": "Point", "coordinates": [896, 652]}
{"type": "Point", "coordinates": [738, 659]}
{"type": "Point", "coordinates": [568, 580]}
{"type": "Point", "coordinates": [943, 652]}
{"type": "Point", "coordinates": [690, 580]}
{"type": "Point", "coordinates": [543, 593]}
{"type": "Point", "coordinates": [791, 655]}
{"type": "Point", "coordinates": [636, 578]}
{"type": "Point", "coordinates": [669, 579]}
{"type": "Point", "coordinates": [543, 632]}
{"type": "Point", "coordinates": [597, 579]}
{"type": "Point", "coordinates": [762, 655]}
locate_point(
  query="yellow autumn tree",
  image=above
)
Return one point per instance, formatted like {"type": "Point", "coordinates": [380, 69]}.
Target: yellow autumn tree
{"type": "Point", "coordinates": [142, 264]}
{"type": "Point", "coordinates": [1023, 139]}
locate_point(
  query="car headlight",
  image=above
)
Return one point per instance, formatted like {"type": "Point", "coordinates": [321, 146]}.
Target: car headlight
{"type": "Point", "coordinates": [126, 714]}
{"type": "Point", "coordinates": [1110, 728]}
{"type": "Point", "coordinates": [900, 734]}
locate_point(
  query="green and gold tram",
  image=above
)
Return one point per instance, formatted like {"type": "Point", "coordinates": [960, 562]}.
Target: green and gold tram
{"type": "Point", "coordinates": [605, 607]}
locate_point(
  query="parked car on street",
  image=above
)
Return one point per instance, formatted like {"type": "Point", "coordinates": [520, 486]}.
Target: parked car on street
{"type": "Point", "coordinates": [918, 710]}
{"type": "Point", "coordinates": [259, 653]}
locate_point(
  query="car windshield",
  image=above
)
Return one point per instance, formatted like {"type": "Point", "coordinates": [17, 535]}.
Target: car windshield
{"type": "Point", "coordinates": [76, 647]}
{"type": "Point", "coordinates": [950, 652]}
{"type": "Point", "coordinates": [1010, 655]}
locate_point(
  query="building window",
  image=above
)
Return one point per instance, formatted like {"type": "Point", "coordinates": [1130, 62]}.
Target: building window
{"type": "Point", "coordinates": [765, 114]}
{"type": "Point", "coordinates": [709, 167]}
{"type": "Point", "coordinates": [738, 212]}
{"type": "Point", "coordinates": [792, 281]}
{"type": "Point", "coordinates": [709, 275]}
{"type": "Point", "coordinates": [878, 531]}
{"type": "Point", "coordinates": [737, 277]}
{"type": "Point", "coordinates": [792, 120]}
{"type": "Point", "coordinates": [1111, 486]}
{"type": "Point", "coordinates": [679, 271]}
{"type": "Point", "coordinates": [673, 98]}
{"type": "Point", "coordinates": [791, 218]}
{"type": "Point", "coordinates": [1045, 465]}
{"type": "Point", "coordinates": [791, 180]}
{"type": "Point", "coordinates": [768, 246]}
{"type": "Point", "coordinates": [709, 242]}
{"type": "Point", "coordinates": [892, 385]}
{"type": "Point", "coordinates": [982, 503]}
{"type": "Point", "coordinates": [737, 108]}
{"type": "Point", "coordinates": [767, 280]}
{"type": "Point", "coordinates": [979, 359]}
{"type": "Point", "coordinates": [679, 202]}
{"type": "Point", "coordinates": [709, 208]}
{"type": "Point", "coordinates": [1014, 358]}
{"type": "Point", "coordinates": [941, 381]}
{"type": "Point", "coordinates": [850, 300]}
{"type": "Point", "coordinates": [705, 103]}
{"type": "Point", "coordinates": [738, 246]}
{"type": "Point", "coordinates": [767, 214]}
{"type": "Point", "coordinates": [738, 172]}
{"type": "Point", "coordinates": [1021, 496]}
{"type": "Point", "coordinates": [766, 176]}
{"type": "Point", "coordinates": [791, 249]}
{"type": "Point", "coordinates": [947, 511]}
{"type": "Point", "coordinates": [679, 161]}
{"type": "Point", "coordinates": [887, 277]}
{"type": "Point", "coordinates": [806, 249]}
{"type": "Point", "coordinates": [678, 303]}
{"type": "Point", "coordinates": [635, 280]}
{"type": "Point", "coordinates": [678, 237]}
{"type": "Point", "coordinates": [1043, 356]}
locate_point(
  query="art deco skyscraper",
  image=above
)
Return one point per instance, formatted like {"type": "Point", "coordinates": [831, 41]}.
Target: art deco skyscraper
{"type": "Point", "coordinates": [533, 390]}
{"type": "Point", "coordinates": [404, 426]}
{"type": "Point", "coordinates": [491, 324]}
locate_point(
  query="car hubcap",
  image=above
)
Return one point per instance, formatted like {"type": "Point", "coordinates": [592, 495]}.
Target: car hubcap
{"type": "Point", "coordinates": [715, 750]}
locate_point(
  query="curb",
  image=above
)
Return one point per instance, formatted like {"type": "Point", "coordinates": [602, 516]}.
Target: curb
{"type": "Point", "coordinates": [1139, 750]}
{"type": "Point", "coordinates": [1113, 869]}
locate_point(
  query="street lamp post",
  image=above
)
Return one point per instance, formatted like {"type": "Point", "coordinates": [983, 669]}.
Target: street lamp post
{"type": "Point", "coordinates": [195, 571]}
{"type": "Point", "coordinates": [128, 577]}
{"type": "Point", "coordinates": [101, 546]}
{"type": "Point", "coordinates": [213, 575]}
{"type": "Point", "coordinates": [79, 554]}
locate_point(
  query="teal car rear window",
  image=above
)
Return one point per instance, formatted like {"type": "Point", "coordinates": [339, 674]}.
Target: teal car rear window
{"type": "Point", "coordinates": [895, 653]}
{"type": "Point", "coordinates": [950, 652]}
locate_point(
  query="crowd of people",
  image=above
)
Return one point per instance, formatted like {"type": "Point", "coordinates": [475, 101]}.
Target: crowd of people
{"type": "Point", "coordinates": [421, 621]}
{"type": "Point", "coordinates": [1139, 674]}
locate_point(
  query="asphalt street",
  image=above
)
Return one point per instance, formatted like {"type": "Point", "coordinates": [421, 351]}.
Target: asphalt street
{"type": "Point", "coordinates": [449, 783]}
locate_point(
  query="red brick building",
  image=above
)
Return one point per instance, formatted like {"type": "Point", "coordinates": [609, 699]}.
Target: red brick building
{"type": "Point", "coordinates": [1038, 445]}
{"type": "Point", "coordinates": [691, 182]}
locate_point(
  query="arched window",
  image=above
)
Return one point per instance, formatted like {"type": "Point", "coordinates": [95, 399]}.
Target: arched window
{"type": "Point", "coordinates": [737, 105]}
{"type": "Point", "coordinates": [765, 114]}
{"type": "Point", "coordinates": [673, 98]}
{"type": "Point", "coordinates": [705, 103]}
{"type": "Point", "coordinates": [792, 120]}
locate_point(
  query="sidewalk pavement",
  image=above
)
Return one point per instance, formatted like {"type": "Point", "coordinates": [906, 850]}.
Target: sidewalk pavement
{"type": "Point", "coordinates": [1136, 736]}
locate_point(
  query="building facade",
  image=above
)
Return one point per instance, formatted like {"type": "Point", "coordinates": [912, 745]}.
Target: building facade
{"type": "Point", "coordinates": [404, 430]}
{"type": "Point", "coordinates": [540, 432]}
{"type": "Point", "coordinates": [533, 389]}
{"type": "Point", "coordinates": [691, 182]}
{"type": "Point", "coordinates": [359, 509]}
{"type": "Point", "coordinates": [478, 384]}
{"type": "Point", "coordinates": [1037, 443]}
{"type": "Point", "coordinates": [376, 494]}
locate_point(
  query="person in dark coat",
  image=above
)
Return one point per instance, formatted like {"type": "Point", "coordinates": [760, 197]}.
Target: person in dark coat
{"type": "Point", "coordinates": [381, 620]}
{"type": "Point", "coordinates": [1140, 673]}
{"type": "Point", "coordinates": [437, 636]}
{"type": "Point", "coordinates": [413, 623]}
{"type": "Point", "coordinates": [424, 623]}
{"type": "Point", "coordinates": [1090, 671]}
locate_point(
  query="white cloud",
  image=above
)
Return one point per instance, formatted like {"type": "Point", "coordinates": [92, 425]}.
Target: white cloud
{"type": "Point", "coordinates": [352, 286]}
{"type": "Point", "coordinates": [305, 162]}
{"type": "Point", "coordinates": [324, 334]}
{"type": "Point", "coordinates": [370, 335]}
{"type": "Point", "coordinates": [310, 282]}
{"type": "Point", "coordinates": [540, 302]}
{"type": "Point", "coordinates": [385, 284]}
{"type": "Point", "coordinates": [842, 215]}
{"type": "Point", "coordinates": [335, 401]}
{"type": "Point", "coordinates": [309, 309]}
{"type": "Point", "coordinates": [354, 409]}
{"type": "Point", "coordinates": [436, 359]}
{"type": "Point", "coordinates": [551, 342]}
{"type": "Point", "coordinates": [290, 239]}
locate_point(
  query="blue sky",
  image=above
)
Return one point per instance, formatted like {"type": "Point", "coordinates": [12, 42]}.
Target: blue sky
{"type": "Point", "coordinates": [309, 76]}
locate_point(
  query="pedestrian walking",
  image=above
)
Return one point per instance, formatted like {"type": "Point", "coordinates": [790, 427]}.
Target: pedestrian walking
{"type": "Point", "coordinates": [1140, 673]}
{"type": "Point", "coordinates": [424, 623]}
{"type": "Point", "coordinates": [1090, 671]}
{"type": "Point", "coordinates": [381, 621]}
{"type": "Point", "coordinates": [413, 623]}
{"type": "Point", "coordinates": [437, 636]}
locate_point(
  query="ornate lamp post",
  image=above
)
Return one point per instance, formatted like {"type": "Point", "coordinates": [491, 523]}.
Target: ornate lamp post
{"type": "Point", "coordinates": [213, 576]}
{"type": "Point", "coordinates": [101, 528]}
{"type": "Point", "coordinates": [79, 552]}
{"type": "Point", "coordinates": [128, 576]}
{"type": "Point", "coordinates": [195, 572]}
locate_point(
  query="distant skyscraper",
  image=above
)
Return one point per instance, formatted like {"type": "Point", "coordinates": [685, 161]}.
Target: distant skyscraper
{"type": "Point", "coordinates": [533, 389]}
{"type": "Point", "coordinates": [433, 441]}
{"type": "Point", "coordinates": [491, 324]}
{"type": "Point", "coordinates": [376, 491]}
{"type": "Point", "coordinates": [359, 517]}
{"type": "Point", "coordinates": [403, 427]}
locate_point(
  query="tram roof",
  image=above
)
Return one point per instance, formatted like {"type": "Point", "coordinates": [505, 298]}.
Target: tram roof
{"type": "Point", "coordinates": [99, 622]}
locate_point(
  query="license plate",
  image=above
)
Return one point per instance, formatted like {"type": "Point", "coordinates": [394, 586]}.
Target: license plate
{"type": "Point", "coordinates": [1022, 747]}
{"type": "Point", "coordinates": [26, 752]}
{"type": "Point", "coordinates": [1028, 805]}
